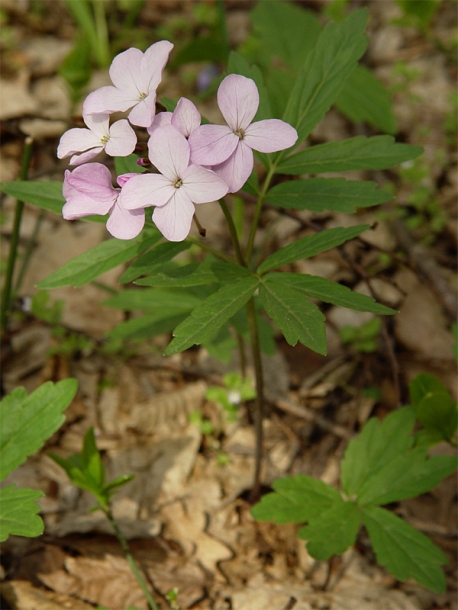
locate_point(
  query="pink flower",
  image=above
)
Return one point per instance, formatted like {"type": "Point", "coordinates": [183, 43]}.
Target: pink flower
{"type": "Point", "coordinates": [186, 118]}
{"type": "Point", "coordinates": [88, 191]}
{"type": "Point", "coordinates": [228, 150]}
{"type": "Point", "coordinates": [175, 190]}
{"type": "Point", "coordinates": [135, 76]}
{"type": "Point", "coordinates": [119, 140]}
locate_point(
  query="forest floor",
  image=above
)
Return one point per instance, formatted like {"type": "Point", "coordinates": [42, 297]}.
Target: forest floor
{"type": "Point", "coordinates": [186, 512]}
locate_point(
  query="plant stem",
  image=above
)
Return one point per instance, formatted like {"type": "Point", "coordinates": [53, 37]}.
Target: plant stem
{"type": "Point", "coordinates": [130, 559]}
{"type": "Point", "coordinates": [217, 253]}
{"type": "Point", "coordinates": [233, 232]}
{"type": "Point", "coordinates": [259, 401]}
{"type": "Point", "coordinates": [101, 28]}
{"type": "Point", "coordinates": [6, 299]}
{"type": "Point", "coordinates": [257, 214]}
{"type": "Point", "coordinates": [28, 253]}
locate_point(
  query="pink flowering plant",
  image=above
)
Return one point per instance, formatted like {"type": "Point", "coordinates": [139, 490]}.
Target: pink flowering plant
{"type": "Point", "coordinates": [260, 157]}
{"type": "Point", "coordinates": [230, 297]}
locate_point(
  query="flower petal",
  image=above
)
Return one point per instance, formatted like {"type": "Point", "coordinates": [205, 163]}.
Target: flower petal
{"type": "Point", "coordinates": [77, 140]}
{"type": "Point", "coordinates": [270, 135]}
{"type": "Point", "coordinates": [145, 190]}
{"type": "Point", "coordinates": [85, 156]}
{"type": "Point", "coordinates": [98, 124]}
{"type": "Point", "coordinates": [79, 204]}
{"type": "Point", "coordinates": [153, 63]}
{"type": "Point", "coordinates": [186, 117]}
{"type": "Point", "coordinates": [202, 185]}
{"type": "Point", "coordinates": [122, 139]}
{"type": "Point", "coordinates": [237, 169]}
{"type": "Point", "coordinates": [238, 100]}
{"type": "Point", "coordinates": [212, 144]}
{"type": "Point", "coordinates": [125, 70]}
{"type": "Point", "coordinates": [125, 224]}
{"type": "Point", "coordinates": [161, 119]}
{"type": "Point", "coordinates": [93, 180]}
{"type": "Point", "coordinates": [169, 152]}
{"type": "Point", "coordinates": [142, 114]}
{"type": "Point", "coordinates": [107, 100]}
{"type": "Point", "coordinates": [174, 219]}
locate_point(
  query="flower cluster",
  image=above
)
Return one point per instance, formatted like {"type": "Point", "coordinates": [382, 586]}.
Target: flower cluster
{"type": "Point", "coordinates": [195, 163]}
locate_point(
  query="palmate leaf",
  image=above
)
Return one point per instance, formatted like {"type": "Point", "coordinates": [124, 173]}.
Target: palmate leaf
{"type": "Point", "coordinates": [405, 476]}
{"type": "Point", "coordinates": [370, 451]}
{"type": "Point", "coordinates": [212, 314]}
{"type": "Point", "coordinates": [404, 551]}
{"type": "Point", "coordinates": [320, 194]}
{"type": "Point", "coordinates": [103, 257]}
{"type": "Point", "coordinates": [27, 421]}
{"type": "Point", "coordinates": [298, 318]}
{"type": "Point", "coordinates": [329, 292]}
{"type": "Point", "coordinates": [325, 71]}
{"type": "Point", "coordinates": [296, 500]}
{"type": "Point", "coordinates": [310, 246]}
{"type": "Point", "coordinates": [378, 152]}
{"type": "Point", "coordinates": [333, 531]}
{"type": "Point", "coordinates": [364, 99]}
{"type": "Point", "coordinates": [18, 512]}
{"type": "Point", "coordinates": [45, 195]}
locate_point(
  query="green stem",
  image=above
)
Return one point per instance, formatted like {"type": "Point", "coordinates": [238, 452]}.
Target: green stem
{"type": "Point", "coordinates": [103, 43]}
{"type": "Point", "coordinates": [6, 300]}
{"type": "Point", "coordinates": [257, 214]}
{"type": "Point", "coordinates": [217, 253]}
{"type": "Point", "coordinates": [130, 559]}
{"type": "Point", "coordinates": [29, 251]}
{"type": "Point", "coordinates": [233, 232]}
{"type": "Point", "coordinates": [241, 347]}
{"type": "Point", "coordinates": [259, 400]}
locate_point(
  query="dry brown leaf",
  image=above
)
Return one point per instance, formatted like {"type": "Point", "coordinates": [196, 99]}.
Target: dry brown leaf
{"type": "Point", "coordinates": [22, 595]}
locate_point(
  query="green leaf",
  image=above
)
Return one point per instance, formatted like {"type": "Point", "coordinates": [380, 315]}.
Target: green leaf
{"type": "Point", "coordinates": [405, 476]}
{"type": "Point", "coordinates": [370, 451]}
{"type": "Point", "coordinates": [27, 421]}
{"type": "Point", "coordinates": [298, 318]}
{"type": "Point", "coordinates": [91, 461]}
{"type": "Point", "coordinates": [282, 27]}
{"type": "Point", "coordinates": [332, 532]}
{"type": "Point", "coordinates": [163, 253]}
{"type": "Point", "coordinates": [239, 65]}
{"type": "Point", "coordinates": [45, 195]}
{"type": "Point", "coordinates": [309, 246]}
{"type": "Point", "coordinates": [325, 71]}
{"type": "Point", "coordinates": [18, 512]}
{"type": "Point", "coordinates": [329, 292]}
{"type": "Point", "coordinates": [404, 551]}
{"type": "Point", "coordinates": [196, 274]}
{"type": "Point", "coordinates": [295, 500]}
{"type": "Point", "coordinates": [378, 152]}
{"type": "Point", "coordinates": [147, 326]}
{"type": "Point", "coordinates": [211, 314]}
{"type": "Point", "coordinates": [203, 48]}
{"type": "Point", "coordinates": [127, 165]}
{"type": "Point", "coordinates": [364, 99]}
{"type": "Point", "coordinates": [320, 194]}
{"type": "Point", "coordinates": [439, 412]}
{"type": "Point", "coordinates": [423, 385]}
{"type": "Point", "coordinates": [103, 257]}
{"type": "Point", "coordinates": [164, 302]}
{"type": "Point", "coordinates": [76, 68]}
